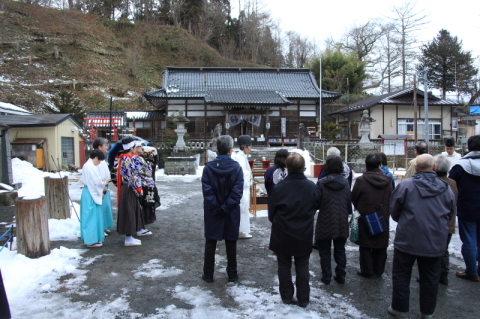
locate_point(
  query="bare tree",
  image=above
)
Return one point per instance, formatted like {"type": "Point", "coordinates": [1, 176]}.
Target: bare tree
{"type": "Point", "coordinates": [407, 21]}
{"type": "Point", "coordinates": [298, 50]}
{"type": "Point", "coordinates": [389, 66]}
{"type": "Point", "coordinates": [362, 39]}
{"type": "Point", "coordinates": [176, 11]}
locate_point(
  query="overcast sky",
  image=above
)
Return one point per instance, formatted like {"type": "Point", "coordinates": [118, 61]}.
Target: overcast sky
{"type": "Point", "coordinates": [319, 20]}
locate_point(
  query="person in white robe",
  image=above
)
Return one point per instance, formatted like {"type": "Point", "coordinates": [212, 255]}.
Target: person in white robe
{"type": "Point", "coordinates": [102, 145]}
{"type": "Point", "coordinates": [450, 154]}
{"type": "Point", "coordinates": [245, 144]}
{"type": "Point", "coordinates": [91, 216]}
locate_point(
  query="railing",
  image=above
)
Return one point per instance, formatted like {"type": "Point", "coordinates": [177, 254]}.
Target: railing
{"type": "Point", "coordinates": [354, 154]}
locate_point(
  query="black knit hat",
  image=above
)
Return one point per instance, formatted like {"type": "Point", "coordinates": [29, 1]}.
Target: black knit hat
{"type": "Point", "coordinates": [450, 141]}
{"type": "Point", "coordinates": [244, 140]}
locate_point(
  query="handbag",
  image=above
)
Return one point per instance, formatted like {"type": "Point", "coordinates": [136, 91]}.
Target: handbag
{"type": "Point", "coordinates": [374, 223]}
{"type": "Point", "coordinates": [354, 227]}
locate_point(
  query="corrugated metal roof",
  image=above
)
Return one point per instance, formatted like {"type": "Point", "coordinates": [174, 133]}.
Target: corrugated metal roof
{"type": "Point", "coordinates": [13, 109]}
{"type": "Point", "coordinates": [36, 120]}
{"type": "Point", "coordinates": [102, 118]}
{"type": "Point", "coordinates": [190, 83]}
{"type": "Point", "coordinates": [144, 115]}
{"type": "Point", "coordinates": [401, 97]}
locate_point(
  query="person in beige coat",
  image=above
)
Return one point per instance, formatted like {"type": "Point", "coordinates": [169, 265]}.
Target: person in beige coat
{"type": "Point", "coordinates": [419, 149]}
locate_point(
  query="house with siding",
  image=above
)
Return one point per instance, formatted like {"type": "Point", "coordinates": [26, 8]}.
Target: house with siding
{"type": "Point", "coordinates": [38, 138]}
{"type": "Point", "coordinates": [393, 113]}
{"type": "Point", "coordinates": [267, 104]}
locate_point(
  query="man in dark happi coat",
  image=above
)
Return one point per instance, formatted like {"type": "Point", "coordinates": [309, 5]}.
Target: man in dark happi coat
{"type": "Point", "coordinates": [222, 185]}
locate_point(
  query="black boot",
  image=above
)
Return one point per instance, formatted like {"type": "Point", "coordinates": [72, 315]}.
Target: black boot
{"type": "Point", "coordinates": [444, 278]}
{"type": "Point", "coordinates": [340, 279]}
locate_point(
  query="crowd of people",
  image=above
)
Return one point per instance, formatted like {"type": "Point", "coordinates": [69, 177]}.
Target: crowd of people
{"type": "Point", "coordinates": [137, 197]}
{"type": "Point", "coordinates": [435, 192]}
{"type": "Point", "coordinates": [425, 204]}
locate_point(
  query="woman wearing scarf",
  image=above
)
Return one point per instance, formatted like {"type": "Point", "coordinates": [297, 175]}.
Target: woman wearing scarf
{"type": "Point", "coordinates": [91, 215]}
{"type": "Point", "coordinates": [130, 216]}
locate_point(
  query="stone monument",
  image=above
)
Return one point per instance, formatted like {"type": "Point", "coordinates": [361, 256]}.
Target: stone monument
{"type": "Point", "coordinates": [179, 162]}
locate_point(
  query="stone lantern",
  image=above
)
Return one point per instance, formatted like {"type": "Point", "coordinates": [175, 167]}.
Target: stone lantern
{"type": "Point", "coordinates": [365, 128]}
{"type": "Point", "coordinates": [180, 146]}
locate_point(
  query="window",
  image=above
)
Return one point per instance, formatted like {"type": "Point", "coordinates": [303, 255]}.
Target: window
{"type": "Point", "coordinates": [140, 124]}
{"type": "Point", "coordinates": [67, 149]}
{"type": "Point", "coordinates": [454, 124]}
{"type": "Point", "coordinates": [406, 126]}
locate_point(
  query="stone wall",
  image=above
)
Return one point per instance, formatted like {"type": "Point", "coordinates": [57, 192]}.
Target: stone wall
{"type": "Point", "coordinates": [180, 166]}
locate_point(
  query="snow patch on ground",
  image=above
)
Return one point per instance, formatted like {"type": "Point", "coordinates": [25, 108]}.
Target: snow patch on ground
{"type": "Point", "coordinates": [154, 269]}
{"type": "Point", "coordinates": [160, 176]}
{"type": "Point", "coordinates": [65, 229]}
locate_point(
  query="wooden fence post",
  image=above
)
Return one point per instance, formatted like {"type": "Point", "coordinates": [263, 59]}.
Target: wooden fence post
{"type": "Point", "coordinates": [32, 227]}
{"type": "Point", "coordinates": [56, 194]}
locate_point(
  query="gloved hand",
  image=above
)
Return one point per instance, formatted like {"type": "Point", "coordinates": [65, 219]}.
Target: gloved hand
{"type": "Point", "coordinates": [220, 213]}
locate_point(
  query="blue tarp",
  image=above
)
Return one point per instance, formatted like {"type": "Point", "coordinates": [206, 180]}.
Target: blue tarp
{"type": "Point", "coordinates": [475, 109]}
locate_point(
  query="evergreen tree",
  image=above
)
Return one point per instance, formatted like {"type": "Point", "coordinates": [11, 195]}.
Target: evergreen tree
{"type": "Point", "coordinates": [449, 66]}
{"type": "Point", "coordinates": [341, 71]}
{"type": "Point", "coordinates": [330, 130]}
{"type": "Point", "coordinates": [65, 103]}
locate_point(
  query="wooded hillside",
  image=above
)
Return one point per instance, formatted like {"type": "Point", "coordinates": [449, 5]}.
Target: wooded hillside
{"type": "Point", "coordinates": [45, 50]}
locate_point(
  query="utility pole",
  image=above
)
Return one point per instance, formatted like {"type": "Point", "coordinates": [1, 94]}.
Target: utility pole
{"type": "Point", "coordinates": [320, 100]}
{"type": "Point", "coordinates": [111, 126]}
{"type": "Point", "coordinates": [425, 103]}
{"type": "Point", "coordinates": [348, 106]}
{"type": "Point", "coordinates": [415, 109]}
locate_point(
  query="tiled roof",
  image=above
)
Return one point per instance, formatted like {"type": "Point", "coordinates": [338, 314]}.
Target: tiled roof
{"type": "Point", "coordinates": [239, 85]}
{"type": "Point", "coordinates": [36, 120]}
{"type": "Point", "coordinates": [242, 97]}
{"type": "Point", "coordinates": [401, 97]}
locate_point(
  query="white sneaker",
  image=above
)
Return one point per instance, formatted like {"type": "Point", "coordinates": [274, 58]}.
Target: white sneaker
{"type": "Point", "coordinates": [244, 236]}
{"type": "Point", "coordinates": [130, 241]}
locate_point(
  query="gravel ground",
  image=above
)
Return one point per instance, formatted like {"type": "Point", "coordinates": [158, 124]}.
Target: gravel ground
{"type": "Point", "coordinates": [161, 278]}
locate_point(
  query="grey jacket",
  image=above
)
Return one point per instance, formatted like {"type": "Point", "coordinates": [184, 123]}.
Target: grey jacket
{"type": "Point", "coordinates": [422, 206]}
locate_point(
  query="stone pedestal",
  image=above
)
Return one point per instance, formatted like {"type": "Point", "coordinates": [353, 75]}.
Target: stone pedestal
{"type": "Point", "coordinates": [180, 166]}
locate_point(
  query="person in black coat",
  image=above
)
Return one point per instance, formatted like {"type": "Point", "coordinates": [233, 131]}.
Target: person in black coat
{"type": "Point", "coordinates": [4, 308]}
{"type": "Point", "coordinates": [293, 205]}
{"type": "Point", "coordinates": [332, 221]}
{"type": "Point", "coordinates": [222, 185]}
